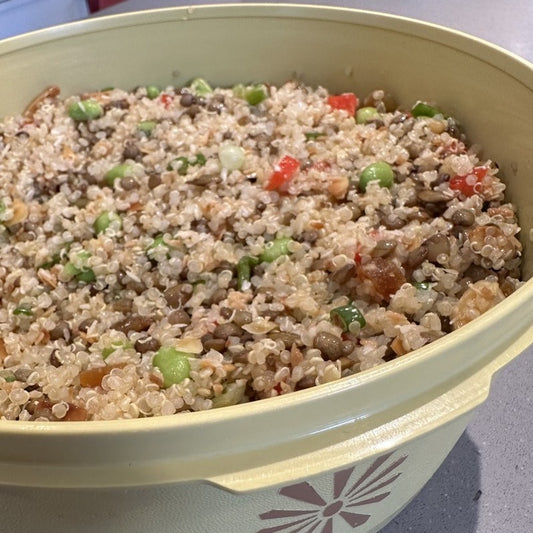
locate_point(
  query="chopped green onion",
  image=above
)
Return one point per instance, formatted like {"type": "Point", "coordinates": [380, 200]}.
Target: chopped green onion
{"type": "Point", "coordinates": [56, 258]}
{"type": "Point", "coordinates": [312, 135]}
{"type": "Point", "coordinates": [345, 315]}
{"type": "Point", "coordinates": [23, 309]}
{"type": "Point", "coordinates": [233, 395]}
{"type": "Point", "coordinates": [422, 109]}
{"type": "Point", "coordinates": [200, 87]}
{"type": "Point", "coordinates": [380, 171]}
{"type": "Point", "coordinates": [200, 160]}
{"type": "Point", "coordinates": [422, 285]}
{"type": "Point", "coordinates": [159, 240]}
{"type": "Point", "coordinates": [108, 350]}
{"type": "Point", "coordinates": [181, 164]}
{"type": "Point", "coordinates": [275, 249]}
{"type": "Point", "coordinates": [173, 364]}
{"type": "Point", "coordinates": [253, 94]}
{"type": "Point", "coordinates": [244, 271]}
{"type": "Point", "coordinates": [87, 275]}
{"type": "Point", "coordinates": [84, 273]}
{"type": "Point", "coordinates": [231, 157]}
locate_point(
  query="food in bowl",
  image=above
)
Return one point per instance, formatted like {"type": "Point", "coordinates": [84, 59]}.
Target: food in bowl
{"type": "Point", "coordinates": [192, 248]}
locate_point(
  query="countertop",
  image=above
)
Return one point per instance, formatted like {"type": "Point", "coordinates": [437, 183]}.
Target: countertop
{"type": "Point", "coordinates": [486, 483]}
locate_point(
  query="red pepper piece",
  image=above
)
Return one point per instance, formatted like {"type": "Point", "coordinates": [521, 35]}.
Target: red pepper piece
{"type": "Point", "coordinates": [166, 100]}
{"type": "Point", "coordinates": [346, 101]}
{"type": "Point", "coordinates": [469, 184]}
{"type": "Point", "coordinates": [283, 173]}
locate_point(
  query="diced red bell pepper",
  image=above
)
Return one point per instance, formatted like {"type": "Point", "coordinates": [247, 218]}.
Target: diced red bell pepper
{"type": "Point", "coordinates": [283, 173]}
{"type": "Point", "coordinates": [166, 100]}
{"type": "Point", "coordinates": [346, 101]}
{"type": "Point", "coordinates": [468, 184]}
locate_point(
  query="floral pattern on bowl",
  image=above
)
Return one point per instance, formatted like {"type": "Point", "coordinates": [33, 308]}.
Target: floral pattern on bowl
{"type": "Point", "coordinates": [347, 493]}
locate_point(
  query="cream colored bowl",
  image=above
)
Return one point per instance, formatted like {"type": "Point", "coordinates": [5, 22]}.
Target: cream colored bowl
{"type": "Point", "coordinates": [336, 458]}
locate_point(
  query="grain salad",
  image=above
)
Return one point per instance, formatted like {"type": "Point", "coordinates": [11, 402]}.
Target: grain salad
{"type": "Point", "coordinates": [187, 248]}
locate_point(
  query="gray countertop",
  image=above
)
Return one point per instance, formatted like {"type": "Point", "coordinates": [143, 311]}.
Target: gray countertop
{"type": "Point", "coordinates": [486, 483]}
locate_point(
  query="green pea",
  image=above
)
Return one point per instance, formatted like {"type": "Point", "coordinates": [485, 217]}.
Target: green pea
{"type": "Point", "coordinates": [173, 364]}
{"type": "Point", "coordinates": [147, 127]}
{"type": "Point", "coordinates": [152, 91]}
{"type": "Point", "coordinates": [104, 220]}
{"type": "Point", "coordinates": [85, 110]}
{"type": "Point", "coordinates": [275, 249]}
{"type": "Point", "coordinates": [366, 114]}
{"type": "Point", "coordinates": [422, 109]}
{"type": "Point", "coordinates": [9, 378]}
{"type": "Point", "coordinates": [345, 315]}
{"type": "Point", "coordinates": [118, 171]}
{"type": "Point", "coordinates": [422, 285]}
{"type": "Point", "coordinates": [379, 171]}
{"type": "Point", "coordinates": [200, 87]}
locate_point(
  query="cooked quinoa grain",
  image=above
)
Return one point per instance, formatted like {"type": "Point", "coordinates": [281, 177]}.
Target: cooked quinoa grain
{"type": "Point", "coordinates": [190, 248]}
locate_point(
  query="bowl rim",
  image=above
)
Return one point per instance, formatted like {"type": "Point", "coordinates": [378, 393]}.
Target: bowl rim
{"type": "Point", "coordinates": [518, 68]}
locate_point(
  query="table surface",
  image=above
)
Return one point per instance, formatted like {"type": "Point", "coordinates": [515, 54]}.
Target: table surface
{"type": "Point", "coordinates": [486, 483]}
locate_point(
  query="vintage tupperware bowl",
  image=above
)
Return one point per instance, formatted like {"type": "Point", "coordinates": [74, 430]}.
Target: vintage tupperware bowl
{"type": "Point", "coordinates": [346, 456]}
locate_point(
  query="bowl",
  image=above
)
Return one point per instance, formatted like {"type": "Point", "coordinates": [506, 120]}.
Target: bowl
{"type": "Point", "coordinates": [339, 457]}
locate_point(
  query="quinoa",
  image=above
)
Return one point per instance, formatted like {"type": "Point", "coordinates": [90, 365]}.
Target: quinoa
{"type": "Point", "coordinates": [195, 248]}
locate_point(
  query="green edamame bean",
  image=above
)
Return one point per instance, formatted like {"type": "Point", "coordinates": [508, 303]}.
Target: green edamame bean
{"type": "Point", "coordinates": [275, 249]}
{"type": "Point", "coordinates": [146, 127]}
{"type": "Point", "coordinates": [104, 220]}
{"type": "Point", "coordinates": [173, 364]}
{"type": "Point", "coordinates": [118, 171]}
{"type": "Point", "coordinates": [85, 110]}
{"type": "Point", "coordinates": [379, 171]}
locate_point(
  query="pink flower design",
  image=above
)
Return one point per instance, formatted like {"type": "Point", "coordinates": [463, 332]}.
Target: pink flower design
{"type": "Point", "coordinates": [347, 496]}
